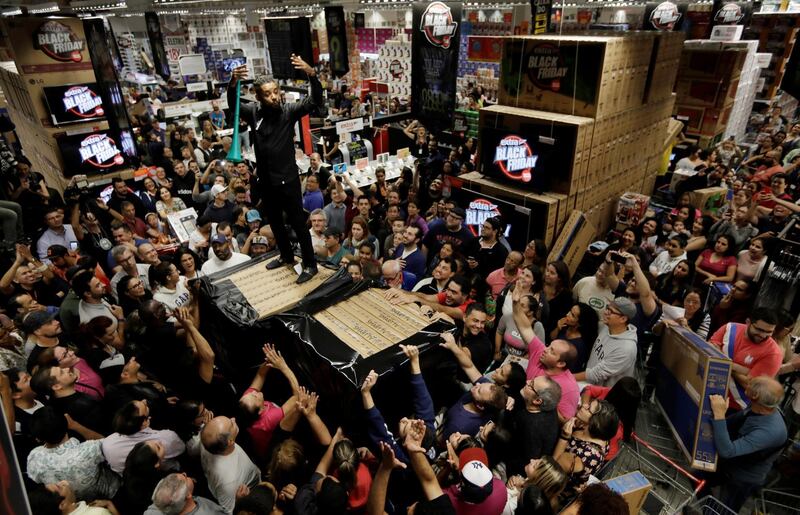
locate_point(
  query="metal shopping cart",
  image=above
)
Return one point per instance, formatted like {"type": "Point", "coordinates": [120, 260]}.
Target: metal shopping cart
{"type": "Point", "coordinates": [674, 490]}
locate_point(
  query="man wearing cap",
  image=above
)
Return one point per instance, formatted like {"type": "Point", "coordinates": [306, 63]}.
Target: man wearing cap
{"type": "Point", "coordinates": [486, 253]}
{"type": "Point", "coordinates": [333, 246]}
{"type": "Point", "coordinates": [638, 291]}
{"type": "Point", "coordinates": [256, 245]}
{"type": "Point", "coordinates": [221, 256]}
{"type": "Point", "coordinates": [408, 252]}
{"type": "Point", "coordinates": [253, 219]}
{"type": "Point", "coordinates": [220, 209]}
{"type": "Point", "coordinates": [451, 230]}
{"type": "Point", "coordinates": [613, 355]}
{"type": "Point", "coordinates": [478, 491]}
{"type": "Point", "coordinates": [60, 260]}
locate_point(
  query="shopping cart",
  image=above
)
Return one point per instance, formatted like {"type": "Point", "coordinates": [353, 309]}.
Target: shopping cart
{"type": "Point", "coordinates": [707, 506]}
{"type": "Point", "coordinates": [674, 487]}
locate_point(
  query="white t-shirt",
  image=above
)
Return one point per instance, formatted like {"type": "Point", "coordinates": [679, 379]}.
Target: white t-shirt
{"type": "Point", "coordinates": [143, 270]}
{"type": "Point", "coordinates": [586, 290]}
{"type": "Point", "coordinates": [176, 298]}
{"type": "Point", "coordinates": [225, 473]}
{"type": "Point", "coordinates": [87, 311]}
{"type": "Point", "coordinates": [215, 264]}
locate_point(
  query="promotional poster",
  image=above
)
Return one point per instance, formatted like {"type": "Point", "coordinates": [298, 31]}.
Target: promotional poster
{"type": "Point", "coordinates": [287, 36]}
{"type": "Point", "coordinates": [337, 40]}
{"type": "Point", "coordinates": [540, 12]}
{"type": "Point", "coordinates": [95, 152]}
{"type": "Point", "coordinates": [434, 63]}
{"type": "Point", "coordinates": [731, 13]}
{"type": "Point", "coordinates": [664, 16]}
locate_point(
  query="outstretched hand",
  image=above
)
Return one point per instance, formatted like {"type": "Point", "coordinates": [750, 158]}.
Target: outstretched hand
{"type": "Point", "coordinates": [274, 359]}
{"type": "Point", "coordinates": [239, 73]}
{"type": "Point", "coordinates": [388, 459]}
{"type": "Point", "coordinates": [301, 65]}
{"type": "Point", "coordinates": [369, 382]}
{"type": "Point", "coordinates": [414, 436]}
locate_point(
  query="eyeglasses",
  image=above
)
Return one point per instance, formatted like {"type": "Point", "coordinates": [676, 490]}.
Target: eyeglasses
{"type": "Point", "coordinates": [611, 311]}
{"type": "Point", "coordinates": [588, 407]}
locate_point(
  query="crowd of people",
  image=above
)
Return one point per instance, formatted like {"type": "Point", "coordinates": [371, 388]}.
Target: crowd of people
{"type": "Point", "coordinates": [111, 391]}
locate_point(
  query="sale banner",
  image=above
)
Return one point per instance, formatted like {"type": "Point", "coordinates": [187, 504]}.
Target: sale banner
{"type": "Point", "coordinates": [337, 40]}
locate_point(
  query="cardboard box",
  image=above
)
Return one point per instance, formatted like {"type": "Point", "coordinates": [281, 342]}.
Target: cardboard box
{"type": "Point", "coordinates": [631, 208]}
{"type": "Point", "coordinates": [573, 240]}
{"type": "Point", "coordinates": [709, 200]}
{"type": "Point", "coordinates": [590, 76]}
{"type": "Point", "coordinates": [690, 371]}
{"type": "Point", "coordinates": [706, 92]}
{"type": "Point", "coordinates": [543, 208]}
{"type": "Point", "coordinates": [710, 62]}
{"type": "Point", "coordinates": [633, 487]}
{"type": "Point", "coordinates": [535, 150]}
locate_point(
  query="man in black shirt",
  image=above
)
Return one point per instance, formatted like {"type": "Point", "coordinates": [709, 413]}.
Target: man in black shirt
{"type": "Point", "coordinates": [473, 338]}
{"type": "Point", "coordinates": [183, 183]}
{"type": "Point", "coordinates": [272, 123]}
{"type": "Point", "coordinates": [122, 194]}
{"type": "Point", "coordinates": [59, 384]}
{"type": "Point", "coordinates": [486, 254]}
{"type": "Point", "coordinates": [535, 425]}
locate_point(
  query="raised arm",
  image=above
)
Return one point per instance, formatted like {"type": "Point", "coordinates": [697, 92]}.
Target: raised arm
{"type": "Point", "coordinates": [520, 320]}
{"type": "Point", "coordinates": [307, 404]}
{"type": "Point", "coordinates": [205, 355]}
{"type": "Point", "coordinates": [464, 361]}
{"type": "Point", "coordinates": [261, 375]}
{"type": "Point", "coordinates": [327, 458]}
{"type": "Point", "coordinates": [642, 285]}
{"type": "Point", "coordinates": [275, 360]}
{"type": "Point", "coordinates": [419, 462]}
{"type": "Point", "coordinates": [380, 483]}
{"type": "Point", "coordinates": [6, 282]}
{"type": "Point", "coordinates": [423, 404]}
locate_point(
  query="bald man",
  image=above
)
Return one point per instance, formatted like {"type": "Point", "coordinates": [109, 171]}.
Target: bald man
{"type": "Point", "coordinates": [395, 277]}
{"type": "Point", "coordinates": [316, 167]}
{"type": "Point", "coordinates": [225, 464]}
{"type": "Point", "coordinates": [748, 442]}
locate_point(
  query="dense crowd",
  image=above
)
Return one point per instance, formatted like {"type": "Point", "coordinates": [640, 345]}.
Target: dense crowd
{"type": "Point", "coordinates": [116, 405]}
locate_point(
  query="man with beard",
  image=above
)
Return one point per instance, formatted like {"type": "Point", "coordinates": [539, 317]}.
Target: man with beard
{"type": "Point", "coordinates": [453, 301]}
{"type": "Point", "coordinates": [753, 351]}
{"type": "Point", "coordinates": [222, 256]}
{"type": "Point", "coordinates": [452, 231]}
{"type": "Point", "coordinates": [486, 253]}
{"type": "Point", "coordinates": [43, 332]}
{"type": "Point", "coordinates": [272, 123]}
{"type": "Point", "coordinates": [183, 183]}
{"type": "Point", "coordinates": [59, 385]}
{"type": "Point", "coordinates": [408, 252]}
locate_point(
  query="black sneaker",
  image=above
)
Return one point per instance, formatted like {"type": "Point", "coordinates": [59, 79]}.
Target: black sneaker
{"type": "Point", "coordinates": [277, 263]}
{"type": "Point", "coordinates": [308, 273]}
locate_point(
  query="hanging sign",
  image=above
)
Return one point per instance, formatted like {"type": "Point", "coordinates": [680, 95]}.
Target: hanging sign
{"type": "Point", "coordinates": [434, 63]}
{"type": "Point", "coordinates": [337, 40]}
{"type": "Point", "coordinates": [58, 42]}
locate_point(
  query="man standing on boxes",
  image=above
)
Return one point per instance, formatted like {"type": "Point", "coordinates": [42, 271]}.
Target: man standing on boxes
{"type": "Point", "coordinates": [272, 122]}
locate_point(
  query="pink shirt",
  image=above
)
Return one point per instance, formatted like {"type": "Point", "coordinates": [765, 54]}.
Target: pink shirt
{"type": "Point", "coordinates": [497, 281]}
{"type": "Point", "coordinates": [89, 382]}
{"type": "Point", "coordinates": [261, 430]}
{"type": "Point", "coordinates": [491, 505]}
{"type": "Point", "coordinates": [570, 393]}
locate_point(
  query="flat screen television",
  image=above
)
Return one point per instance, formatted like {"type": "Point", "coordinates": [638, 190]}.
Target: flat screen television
{"type": "Point", "coordinates": [74, 103]}
{"type": "Point", "coordinates": [96, 152]}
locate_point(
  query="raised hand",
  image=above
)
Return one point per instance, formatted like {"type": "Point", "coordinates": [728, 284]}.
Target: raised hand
{"type": "Point", "coordinates": [369, 382]}
{"type": "Point", "coordinates": [388, 459]}
{"type": "Point", "coordinates": [301, 65]}
{"type": "Point", "coordinates": [273, 357]}
{"type": "Point", "coordinates": [414, 436]}
{"type": "Point", "coordinates": [239, 73]}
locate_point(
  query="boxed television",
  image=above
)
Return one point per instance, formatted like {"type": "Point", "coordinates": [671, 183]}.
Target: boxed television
{"type": "Point", "coordinates": [536, 150]}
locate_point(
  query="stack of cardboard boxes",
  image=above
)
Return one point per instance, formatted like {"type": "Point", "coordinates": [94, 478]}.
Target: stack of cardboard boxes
{"type": "Point", "coordinates": [589, 114]}
{"type": "Point", "coordinates": [394, 65]}
{"type": "Point", "coordinates": [709, 76]}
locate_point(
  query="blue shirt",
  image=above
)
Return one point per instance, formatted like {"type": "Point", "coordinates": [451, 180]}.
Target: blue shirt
{"type": "Point", "coordinates": [313, 200]}
{"type": "Point", "coordinates": [415, 262]}
{"type": "Point", "coordinates": [744, 440]}
{"type": "Point", "coordinates": [459, 420]}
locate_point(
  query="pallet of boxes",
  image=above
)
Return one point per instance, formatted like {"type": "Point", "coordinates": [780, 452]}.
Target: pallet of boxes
{"type": "Point", "coordinates": [707, 85]}
{"type": "Point", "coordinates": [581, 120]}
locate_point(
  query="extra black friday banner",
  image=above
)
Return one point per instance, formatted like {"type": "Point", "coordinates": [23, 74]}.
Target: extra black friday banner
{"type": "Point", "coordinates": [540, 12]}
{"type": "Point", "coordinates": [731, 13]}
{"type": "Point", "coordinates": [337, 40]}
{"type": "Point", "coordinates": [434, 62]}
{"type": "Point", "coordinates": [664, 16]}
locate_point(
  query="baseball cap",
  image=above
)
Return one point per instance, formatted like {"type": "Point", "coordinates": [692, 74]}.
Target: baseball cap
{"type": "Point", "coordinates": [252, 216]}
{"type": "Point", "coordinates": [55, 251]}
{"type": "Point", "coordinates": [625, 306]}
{"type": "Point", "coordinates": [476, 477]}
{"type": "Point", "coordinates": [217, 189]}
{"type": "Point", "coordinates": [219, 238]}
{"type": "Point", "coordinates": [259, 240]}
{"type": "Point", "coordinates": [36, 319]}
{"type": "Point", "coordinates": [459, 212]}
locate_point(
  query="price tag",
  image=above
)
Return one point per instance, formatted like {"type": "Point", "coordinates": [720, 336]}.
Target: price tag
{"type": "Point", "coordinates": [403, 153]}
{"type": "Point", "coordinates": [362, 163]}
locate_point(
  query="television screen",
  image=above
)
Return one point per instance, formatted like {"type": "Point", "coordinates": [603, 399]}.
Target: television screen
{"type": "Point", "coordinates": [478, 207]}
{"type": "Point", "coordinates": [96, 152]}
{"type": "Point", "coordinates": [74, 103]}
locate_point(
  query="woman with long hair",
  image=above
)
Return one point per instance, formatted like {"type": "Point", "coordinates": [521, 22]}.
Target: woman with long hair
{"type": "Point", "coordinates": [529, 282]}
{"type": "Point", "coordinates": [649, 232]}
{"type": "Point", "coordinates": [698, 236]}
{"type": "Point", "coordinates": [583, 444]}
{"type": "Point", "coordinates": [167, 204]}
{"type": "Point", "coordinates": [149, 194]}
{"type": "Point", "coordinates": [672, 286]}
{"type": "Point", "coordinates": [508, 339]}
{"type": "Point", "coordinates": [188, 263]}
{"type": "Point", "coordinates": [693, 318]}
{"type": "Point", "coordinates": [625, 396]}
{"type": "Point", "coordinates": [751, 260]}
{"type": "Point", "coordinates": [414, 217]}
{"type": "Point", "coordinates": [543, 473]}
{"type": "Point", "coordinates": [535, 253]}
{"type": "Point", "coordinates": [131, 293]}
{"type": "Point", "coordinates": [717, 263]}
{"type": "Point", "coordinates": [143, 471]}
{"type": "Point", "coordinates": [156, 231]}
{"type": "Point", "coordinates": [359, 234]}
{"type": "Point", "coordinates": [352, 473]}
{"type": "Point", "coordinates": [558, 292]}
{"type": "Point", "coordinates": [208, 132]}
{"type": "Point", "coordinates": [578, 327]}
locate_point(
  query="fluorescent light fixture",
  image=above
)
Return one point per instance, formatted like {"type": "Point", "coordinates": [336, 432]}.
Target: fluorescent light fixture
{"type": "Point", "coordinates": [15, 11]}
{"type": "Point", "coordinates": [48, 7]}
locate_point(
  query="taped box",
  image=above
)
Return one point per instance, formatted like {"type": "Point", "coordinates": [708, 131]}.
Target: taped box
{"type": "Point", "coordinates": [690, 371]}
{"type": "Point", "coordinates": [631, 208]}
{"type": "Point", "coordinates": [573, 241]}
